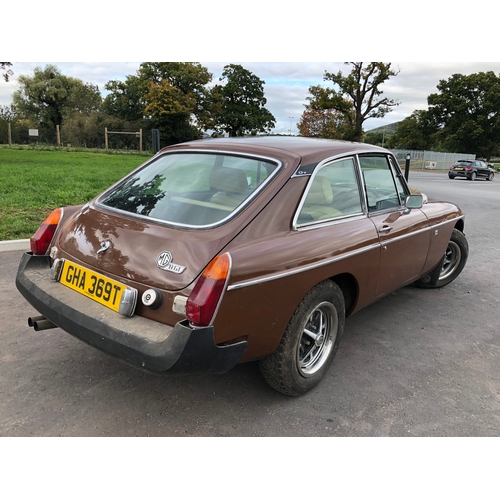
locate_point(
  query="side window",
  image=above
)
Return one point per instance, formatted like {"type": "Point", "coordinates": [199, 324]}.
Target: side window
{"type": "Point", "coordinates": [381, 189]}
{"type": "Point", "coordinates": [334, 193]}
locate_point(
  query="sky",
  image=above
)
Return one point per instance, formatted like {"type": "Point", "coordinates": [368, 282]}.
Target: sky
{"type": "Point", "coordinates": [268, 43]}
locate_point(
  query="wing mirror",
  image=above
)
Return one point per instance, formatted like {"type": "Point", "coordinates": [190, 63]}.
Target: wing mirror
{"type": "Point", "coordinates": [415, 201]}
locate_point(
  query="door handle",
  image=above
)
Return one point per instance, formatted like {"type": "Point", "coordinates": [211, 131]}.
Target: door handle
{"type": "Point", "coordinates": [385, 229]}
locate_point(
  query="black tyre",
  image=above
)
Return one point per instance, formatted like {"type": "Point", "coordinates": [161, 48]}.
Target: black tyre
{"type": "Point", "coordinates": [309, 343]}
{"type": "Point", "coordinates": [473, 176]}
{"type": "Point", "coordinates": [451, 176]}
{"type": "Point", "coordinates": [455, 257]}
{"type": "Point", "coordinates": [490, 176]}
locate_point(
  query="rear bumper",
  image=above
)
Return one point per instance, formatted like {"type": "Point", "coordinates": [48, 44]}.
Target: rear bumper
{"type": "Point", "coordinates": [459, 173]}
{"type": "Point", "coordinates": [141, 342]}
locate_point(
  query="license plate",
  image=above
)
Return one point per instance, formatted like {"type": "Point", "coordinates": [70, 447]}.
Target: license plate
{"type": "Point", "coordinates": [458, 168]}
{"type": "Point", "coordinates": [106, 291]}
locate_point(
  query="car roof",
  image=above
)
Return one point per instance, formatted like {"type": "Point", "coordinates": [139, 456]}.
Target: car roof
{"type": "Point", "coordinates": [312, 150]}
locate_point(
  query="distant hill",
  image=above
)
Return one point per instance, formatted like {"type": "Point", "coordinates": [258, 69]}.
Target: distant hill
{"type": "Point", "coordinates": [389, 129]}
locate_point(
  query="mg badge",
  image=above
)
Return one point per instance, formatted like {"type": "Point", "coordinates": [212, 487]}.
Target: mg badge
{"type": "Point", "coordinates": [164, 261]}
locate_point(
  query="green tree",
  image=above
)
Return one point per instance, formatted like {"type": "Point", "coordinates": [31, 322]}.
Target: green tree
{"type": "Point", "coordinates": [316, 121]}
{"type": "Point", "coordinates": [48, 98]}
{"type": "Point", "coordinates": [467, 109]}
{"type": "Point", "coordinates": [324, 123]}
{"type": "Point", "coordinates": [377, 138]}
{"type": "Point", "coordinates": [238, 106]}
{"type": "Point", "coordinates": [417, 131]}
{"type": "Point", "coordinates": [359, 90]}
{"type": "Point", "coordinates": [166, 95]}
{"type": "Point", "coordinates": [6, 73]}
{"type": "Point", "coordinates": [124, 99]}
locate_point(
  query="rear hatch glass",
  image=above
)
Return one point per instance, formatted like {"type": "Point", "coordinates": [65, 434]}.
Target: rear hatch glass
{"type": "Point", "coordinates": [191, 189]}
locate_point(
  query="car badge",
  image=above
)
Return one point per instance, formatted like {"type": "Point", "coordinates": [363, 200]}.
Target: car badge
{"type": "Point", "coordinates": [104, 246]}
{"type": "Point", "coordinates": [164, 261]}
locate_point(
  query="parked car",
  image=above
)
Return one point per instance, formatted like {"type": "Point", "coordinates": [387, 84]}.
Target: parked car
{"type": "Point", "coordinates": [471, 169]}
{"type": "Point", "coordinates": [225, 251]}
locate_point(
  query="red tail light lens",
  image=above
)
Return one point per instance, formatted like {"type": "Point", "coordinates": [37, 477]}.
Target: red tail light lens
{"type": "Point", "coordinates": [468, 168]}
{"type": "Point", "coordinates": [205, 297]}
{"type": "Point", "coordinates": [40, 241]}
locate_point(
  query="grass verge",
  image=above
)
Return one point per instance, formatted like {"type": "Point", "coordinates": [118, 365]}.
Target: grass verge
{"type": "Point", "coordinates": [34, 182]}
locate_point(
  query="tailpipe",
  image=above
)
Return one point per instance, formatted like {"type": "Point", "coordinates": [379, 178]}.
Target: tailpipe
{"type": "Point", "coordinates": [39, 323]}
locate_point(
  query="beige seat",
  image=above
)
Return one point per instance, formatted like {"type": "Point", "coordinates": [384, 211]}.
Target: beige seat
{"type": "Point", "coordinates": [318, 201]}
{"type": "Point", "coordinates": [231, 186]}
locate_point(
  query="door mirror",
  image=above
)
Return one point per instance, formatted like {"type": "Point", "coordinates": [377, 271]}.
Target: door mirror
{"type": "Point", "coordinates": [414, 201]}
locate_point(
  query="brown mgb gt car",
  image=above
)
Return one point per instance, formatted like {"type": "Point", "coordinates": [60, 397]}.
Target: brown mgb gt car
{"type": "Point", "coordinates": [224, 251]}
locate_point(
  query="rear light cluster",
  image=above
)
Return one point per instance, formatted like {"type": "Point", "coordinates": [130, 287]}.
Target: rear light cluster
{"type": "Point", "coordinates": [204, 299]}
{"type": "Point", "coordinates": [40, 241]}
{"type": "Point", "coordinates": [468, 168]}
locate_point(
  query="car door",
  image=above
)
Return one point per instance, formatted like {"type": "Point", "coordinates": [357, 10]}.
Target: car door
{"type": "Point", "coordinates": [482, 169]}
{"type": "Point", "coordinates": [403, 234]}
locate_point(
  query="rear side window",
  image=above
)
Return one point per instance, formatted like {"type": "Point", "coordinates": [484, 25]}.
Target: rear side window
{"type": "Point", "coordinates": [333, 193]}
{"type": "Point", "coordinates": [191, 189]}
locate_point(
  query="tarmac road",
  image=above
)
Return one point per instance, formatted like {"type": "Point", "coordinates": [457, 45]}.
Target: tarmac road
{"type": "Point", "coordinates": [417, 363]}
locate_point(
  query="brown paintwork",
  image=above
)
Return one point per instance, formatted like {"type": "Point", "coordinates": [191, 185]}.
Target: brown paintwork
{"type": "Point", "coordinates": [264, 246]}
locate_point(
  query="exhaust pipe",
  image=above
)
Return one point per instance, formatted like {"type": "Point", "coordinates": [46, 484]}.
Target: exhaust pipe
{"type": "Point", "coordinates": [39, 323]}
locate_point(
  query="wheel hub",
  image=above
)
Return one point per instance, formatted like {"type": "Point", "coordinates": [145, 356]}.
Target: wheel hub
{"type": "Point", "coordinates": [319, 340]}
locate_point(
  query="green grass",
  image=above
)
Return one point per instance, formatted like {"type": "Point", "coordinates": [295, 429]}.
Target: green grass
{"type": "Point", "coordinates": [34, 182]}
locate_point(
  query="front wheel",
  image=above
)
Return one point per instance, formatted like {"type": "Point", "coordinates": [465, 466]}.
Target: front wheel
{"type": "Point", "coordinates": [309, 343]}
{"type": "Point", "coordinates": [454, 260]}
{"type": "Point", "coordinates": [490, 176]}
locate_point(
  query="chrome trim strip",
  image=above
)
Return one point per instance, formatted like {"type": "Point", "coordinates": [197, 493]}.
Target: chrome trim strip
{"type": "Point", "coordinates": [273, 277]}
{"type": "Point", "coordinates": [338, 258]}
{"type": "Point", "coordinates": [330, 222]}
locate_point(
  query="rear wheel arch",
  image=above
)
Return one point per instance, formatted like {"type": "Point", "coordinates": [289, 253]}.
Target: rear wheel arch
{"type": "Point", "coordinates": [309, 342]}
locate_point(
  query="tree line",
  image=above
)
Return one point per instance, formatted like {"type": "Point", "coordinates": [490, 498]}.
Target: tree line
{"type": "Point", "coordinates": [463, 116]}
{"type": "Point", "coordinates": [181, 100]}
{"type": "Point", "coordinates": [173, 97]}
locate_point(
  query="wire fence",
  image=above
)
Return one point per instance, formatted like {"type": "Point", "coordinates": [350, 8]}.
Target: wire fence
{"type": "Point", "coordinates": [430, 160]}
{"type": "Point", "coordinates": [81, 135]}
{"type": "Point", "coordinates": [87, 136]}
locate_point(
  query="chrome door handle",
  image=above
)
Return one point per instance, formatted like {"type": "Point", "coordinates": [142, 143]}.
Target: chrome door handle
{"type": "Point", "coordinates": [385, 229]}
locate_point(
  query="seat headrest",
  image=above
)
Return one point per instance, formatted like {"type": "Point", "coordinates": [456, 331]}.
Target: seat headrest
{"type": "Point", "coordinates": [230, 180]}
{"type": "Point", "coordinates": [320, 192]}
